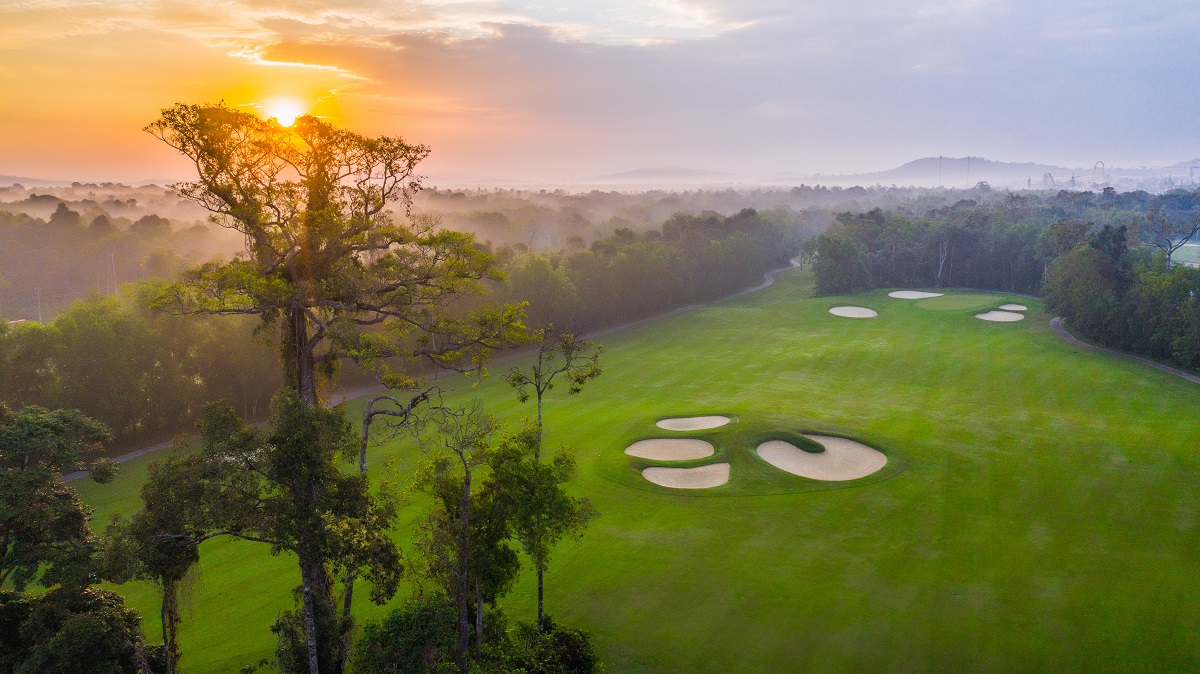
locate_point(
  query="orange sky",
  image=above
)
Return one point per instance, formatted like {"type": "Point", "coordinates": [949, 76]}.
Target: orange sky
{"type": "Point", "coordinates": [522, 89]}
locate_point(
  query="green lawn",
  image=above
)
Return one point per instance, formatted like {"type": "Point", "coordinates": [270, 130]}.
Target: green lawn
{"type": "Point", "coordinates": [1038, 511]}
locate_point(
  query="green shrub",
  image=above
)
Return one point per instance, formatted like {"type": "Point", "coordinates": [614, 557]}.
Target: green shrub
{"type": "Point", "coordinates": [417, 637]}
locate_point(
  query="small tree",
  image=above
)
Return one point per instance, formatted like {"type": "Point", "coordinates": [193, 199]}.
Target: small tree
{"type": "Point", "coordinates": [578, 360]}
{"type": "Point", "coordinates": [542, 512]}
{"type": "Point", "coordinates": [448, 477]}
{"type": "Point", "coordinates": [161, 542]}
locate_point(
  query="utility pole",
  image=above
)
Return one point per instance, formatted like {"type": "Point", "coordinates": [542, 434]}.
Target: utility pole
{"type": "Point", "coordinates": [113, 259]}
{"type": "Point", "coordinates": [39, 293]}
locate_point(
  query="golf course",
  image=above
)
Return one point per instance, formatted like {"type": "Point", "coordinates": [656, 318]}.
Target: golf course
{"type": "Point", "coordinates": [1038, 506]}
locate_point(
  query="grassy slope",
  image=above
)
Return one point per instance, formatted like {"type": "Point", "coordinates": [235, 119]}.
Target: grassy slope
{"type": "Point", "coordinates": [1044, 516]}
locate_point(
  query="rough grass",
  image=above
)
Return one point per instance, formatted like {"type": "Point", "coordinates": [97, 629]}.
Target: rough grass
{"type": "Point", "coordinates": [1038, 512]}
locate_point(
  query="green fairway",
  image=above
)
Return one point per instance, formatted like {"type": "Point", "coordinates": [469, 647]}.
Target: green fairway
{"type": "Point", "coordinates": [1038, 511]}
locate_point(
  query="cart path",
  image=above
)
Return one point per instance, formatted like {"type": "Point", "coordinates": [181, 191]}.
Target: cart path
{"type": "Point", "coordinates": [1059, 326]}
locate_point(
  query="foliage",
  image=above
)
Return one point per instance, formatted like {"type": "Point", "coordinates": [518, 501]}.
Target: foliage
{"type": "Point", "coordinates": [43, 524]}
{"type": "Point", "coordinates": [577, 360]}
{"type": "Point", "coordinates": [143, 373]}
{"type": "Point", "coordinates": [324, 257]}
{"type": "Point", "coordinates": [70, 630]}
{"type": "Point", "coordinates": [542, 512]}
{"type": "Point", "coordinates": [414, 638]}
{"type": "Point", "coordinates": [1005, 242]}
{"type": "Point", "coordinates": [286, 489]}
{"type": "Point", "coordinates": [1129, 300]}
{"type": "Point", "coordinates": [553, 649]}
{"type": "Point", "coordinates": [161, 542]}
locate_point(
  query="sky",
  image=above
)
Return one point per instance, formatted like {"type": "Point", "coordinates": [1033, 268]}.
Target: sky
{"type": "Point", "coordinates": [553, 92]}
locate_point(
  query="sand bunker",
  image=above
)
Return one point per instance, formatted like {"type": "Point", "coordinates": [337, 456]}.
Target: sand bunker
{"type": "Point", "coordinates": [842, 459]}
{"type": "Point", "coordinates": [912, 295]}
{"type": "Point", "coordinates": [1000, 316]}
{"type": "Point", "coordinates": [853, 312]}
{"type": "Point", "coordinates": [704, 477]}
{"type": "Point", "coordinates": [672, 449]}
{"type": "Point", "coordinates": [692, 423]}
{"type": "Point", "coordinates": [1014, 307]}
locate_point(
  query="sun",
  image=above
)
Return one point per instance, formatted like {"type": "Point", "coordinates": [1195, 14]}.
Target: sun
{"type": "Point", "coordinates": [284, 110]}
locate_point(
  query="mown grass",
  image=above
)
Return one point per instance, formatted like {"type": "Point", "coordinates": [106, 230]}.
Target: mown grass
{"type": "Point", "coordinates": [1039, 509]}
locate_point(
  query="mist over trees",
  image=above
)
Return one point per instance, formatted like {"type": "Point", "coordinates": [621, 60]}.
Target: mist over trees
{"type": "Point", "coordinates": [107, 234]}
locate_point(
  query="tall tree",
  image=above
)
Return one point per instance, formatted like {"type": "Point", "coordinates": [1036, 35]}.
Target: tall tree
{"type": "Point", "coordinates": [466, 435]}
{"type": "Point", "coordinates": [285, 488]}
{"type": "Point", "coordinates": [324, 255]}
{"type": "Point", "coordinates": [325, 258]}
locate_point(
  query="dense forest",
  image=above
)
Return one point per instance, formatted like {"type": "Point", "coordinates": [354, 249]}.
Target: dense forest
{"type": "Point", "coordinates": [106, 234]}
{"type": "Point", "coordinates": [146, 373]}
{"type": "Point", "coordinates": [1104, 261]}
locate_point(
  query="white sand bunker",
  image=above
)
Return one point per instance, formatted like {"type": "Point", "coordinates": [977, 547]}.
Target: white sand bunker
{"type": "Point", "coordinates": [670, 449]}
{"type": "Point", "coordinates": [853, 312]}
{"type": "Point", "coordinates": [703, 477]}
{"type": "Point", "coordinates": [842, 459]}
{"type": "Point", "coordinates": [1014, 307]}
{"type": "Point", "coordinates": [1000, 316]}
{"type": "Point", "coordinates": [912, 295]}
{"type": "Point", "coordinates": [692, 423]}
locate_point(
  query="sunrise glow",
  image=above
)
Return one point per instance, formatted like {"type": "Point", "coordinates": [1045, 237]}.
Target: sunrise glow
{"type": "Point", "coordinates": [283, 110]}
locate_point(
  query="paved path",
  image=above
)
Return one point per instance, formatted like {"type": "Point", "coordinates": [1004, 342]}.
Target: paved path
{"type": "Point", "coordinates": [122, 459]}
{"type": "Point", "coordinates": [1060, 327]}
{"type": "Point", "coordinates": [351, 394]}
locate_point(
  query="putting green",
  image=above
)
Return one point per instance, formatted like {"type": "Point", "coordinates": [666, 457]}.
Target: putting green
{"type": "Point", "coordinates": [1039, 509]}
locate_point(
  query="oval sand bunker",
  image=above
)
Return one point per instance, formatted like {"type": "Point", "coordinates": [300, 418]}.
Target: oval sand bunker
{"type": "Point", "coordinates": [912, 295]}
{"type": "Point", "coordinates": [1000, 316]}
{"type": "Point", "coordinates": [703, 477]}
{"type": "Point", "coordinates": [853, 312]}
{"type": "Point", "coordinates": [670, 449]}
{"type": "Point", "coordinates": [692, 423]}
{"type": "Point", "coordinates": [842, 459]}
{"type": "Point", "coordinates": [1014, 307]}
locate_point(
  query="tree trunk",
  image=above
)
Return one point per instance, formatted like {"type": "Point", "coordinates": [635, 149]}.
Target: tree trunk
{"type": "Point", "coordinates": [464, 574]}
{"type": "Point", "coordinates": [170, 623]}
{"type": "Point", "coordinates": [541, 572]}
{"type": "Point", "coordinates": [310, 581]}
{"type": "Point", "coordinates": [298, 361]}
{"type": "Point", "coordinates": [479, 617]}
{"type": "Point", "coordinates": [943, 252]}
{"type": "Point", "coordinates": [347, 601]}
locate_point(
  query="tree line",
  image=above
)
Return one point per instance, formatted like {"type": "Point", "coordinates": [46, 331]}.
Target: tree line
{"type": "Point", "coordinates": [147, 373]}
{"type": "Point", "coordinates": [1104, 261]}
{"type": "Point", "coordinates": [628, 276]}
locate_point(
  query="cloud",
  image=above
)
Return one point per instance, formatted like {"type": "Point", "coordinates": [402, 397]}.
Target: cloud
{"type": "Point", "coordinates": [522, 87]}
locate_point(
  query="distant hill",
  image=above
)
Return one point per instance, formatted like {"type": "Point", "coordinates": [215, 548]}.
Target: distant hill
{"type": "Point", "coordinates": [32, 182]}
{"type": "Point", "coordinates": [955, 172]}
{"type": "Point", "coordinates": [968, 171]}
